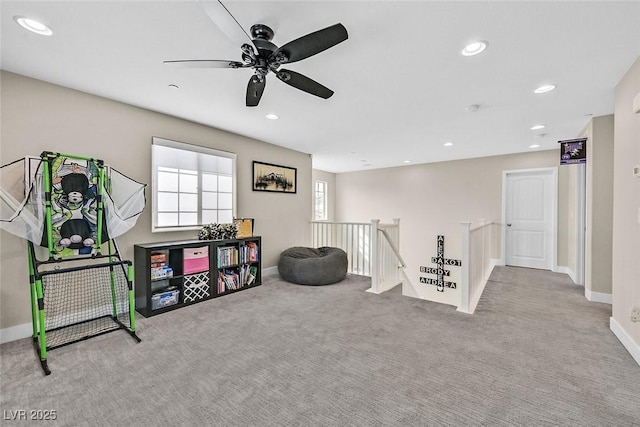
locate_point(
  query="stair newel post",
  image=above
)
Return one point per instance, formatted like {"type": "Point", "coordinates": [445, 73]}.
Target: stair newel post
{"type": "Point", "coordinates": [465, 279]}
{"type": "Point", "coordinates": [373, 251]}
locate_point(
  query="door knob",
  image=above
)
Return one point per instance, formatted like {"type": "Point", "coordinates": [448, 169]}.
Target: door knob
{"type": "Point", "coordinates": [508, 225]}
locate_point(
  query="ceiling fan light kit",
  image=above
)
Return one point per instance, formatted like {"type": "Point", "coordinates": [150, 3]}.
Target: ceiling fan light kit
{"type": "Point", "coordinates": [264, 57]}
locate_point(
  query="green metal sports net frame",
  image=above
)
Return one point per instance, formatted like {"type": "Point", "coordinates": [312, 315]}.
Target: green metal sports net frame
{"type": "Point", "coordinates": [77, 292]}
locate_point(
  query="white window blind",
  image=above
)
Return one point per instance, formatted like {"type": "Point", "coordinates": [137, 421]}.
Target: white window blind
{"type": "Point", "coordinates": [192, 185]}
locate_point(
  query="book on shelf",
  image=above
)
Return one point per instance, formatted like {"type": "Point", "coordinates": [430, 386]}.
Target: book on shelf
{"type": "Point", "coordinates": [227, 256]}
{"type": "Point", "coordinates": [253, 273]}
{"type": "Point", "coordinates": [228, 280]}
{"type": "Point", "coordinates": [248, 274]}
{"type": "Point", "coordinates": [249, 252]}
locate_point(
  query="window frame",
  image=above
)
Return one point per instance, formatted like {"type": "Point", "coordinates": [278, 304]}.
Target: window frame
{"type": "Point", "coordinates": [315, 200]}
{"type": "Point", "coordinates": [167, 143]}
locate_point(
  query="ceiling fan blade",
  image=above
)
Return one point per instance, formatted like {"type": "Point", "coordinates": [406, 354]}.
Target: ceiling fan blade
{"type": "Point", "coordinates": [304, 83]}
{"type": "Point", "coordinates": [310, 44]}
{"type": "Point", "coordinates": [204, 63]}
{"type": "Point", "coordinates": [224, 20]}
{"type": "Point", "coordinates": [254, 90]}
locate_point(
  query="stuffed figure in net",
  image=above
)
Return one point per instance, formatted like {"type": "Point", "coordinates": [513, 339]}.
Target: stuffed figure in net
{"type": "Point", "coordinates": [74, 205]}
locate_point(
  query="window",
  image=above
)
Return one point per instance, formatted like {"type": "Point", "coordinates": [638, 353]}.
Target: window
{"type": "Point", "coordinates": [192, 186]}
{"type": "Point", "coordinates": [320, 201]}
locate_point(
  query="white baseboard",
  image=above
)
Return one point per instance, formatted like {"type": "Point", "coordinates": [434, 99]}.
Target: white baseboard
{"type": "Point", "coordinates": [567, 271]}
{"type": "Point", "coordinates": [496, 261]}
{"type": "Point", "coordinates": [15, 333]}
{"type": "Point", "coordinates": [632, 347]}
{"type": "Point", "coordinates": [270, 271]}
{"type": "Point", "coordinates": [598, 296]}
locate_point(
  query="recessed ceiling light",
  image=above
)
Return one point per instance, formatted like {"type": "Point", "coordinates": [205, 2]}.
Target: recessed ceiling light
{"type": "Point", "coordinates": [534, 146]}
{"type": "Point", "coordinates": [272, 116]}
{"type": "Point", "coordinates": [474, 48]}
{"type": "Point", "coordinates": [407, 161]}
{"type": "Point", "coordinates": [448, 144]}
{"type": "Point", "coordinates": [544, 89]}
{"type": "Point", "coordinates": [33, 25]}
{"type": "Point", "coordinates": [174, 87]}
{"type": "Point", "coordinates": [538, 127]}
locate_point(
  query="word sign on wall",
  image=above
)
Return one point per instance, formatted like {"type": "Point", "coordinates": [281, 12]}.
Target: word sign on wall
{"type": "Point", "coordinates": [440, 261]}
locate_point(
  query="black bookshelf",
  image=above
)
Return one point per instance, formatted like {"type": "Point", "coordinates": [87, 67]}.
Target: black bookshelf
{"type": "Point", "coordinates": [171, 275]}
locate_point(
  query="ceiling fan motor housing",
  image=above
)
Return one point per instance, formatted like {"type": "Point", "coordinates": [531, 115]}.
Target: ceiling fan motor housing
{"type": "Point", "coordinates": [261, 31]}
{"type": "Point", "coordinates": [265, 48]}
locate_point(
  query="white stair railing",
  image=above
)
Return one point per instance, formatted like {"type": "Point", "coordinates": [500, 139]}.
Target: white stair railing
{"type": "Point", "coordinates": [352, 237]}
{"type": "Point", "coordinates": [476, 263]}
{"type": "Point", "coordinates": [372, 249]}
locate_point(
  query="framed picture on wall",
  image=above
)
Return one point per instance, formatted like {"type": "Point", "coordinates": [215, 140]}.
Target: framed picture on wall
{"type": "Point", "coordinates": [274, 178]}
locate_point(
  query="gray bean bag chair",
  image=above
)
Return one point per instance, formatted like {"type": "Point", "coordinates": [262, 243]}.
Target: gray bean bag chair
{"type": "Point", "coordinates": [308, 266]}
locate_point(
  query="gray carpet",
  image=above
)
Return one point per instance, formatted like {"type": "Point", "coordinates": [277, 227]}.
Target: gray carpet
{"type": "Point", "coordinates": [535, 353]}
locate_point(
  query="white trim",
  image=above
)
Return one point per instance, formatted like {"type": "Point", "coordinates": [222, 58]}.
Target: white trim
{"type": "Point", "coordinates": [598, 296]}
{"type": "Point", "coordinates": [581, 219]}
{"type": "Point", "coordinates": [378, 292]}
{"type": "Point", "coordinates": [554, 244]}
{"type": "Point", "coordinates": [15, 333]}
{"type": "Point", "coordinates": [190, 148]}
{"type": "Point", "coordinates": [270, 271]}
{"type": "Point", "coordinates": [503, 249]}
{"type": "Point", "coordinates": [632, 347]}
{"type": "Point", "coordinates": [554, 201]}
{"type": "Point", "coordinates": [568, 272]}
{"type": "Point", "coordinates": [324, 198]}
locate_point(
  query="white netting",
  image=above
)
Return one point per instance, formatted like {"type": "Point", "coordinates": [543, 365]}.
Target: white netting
{"type": "Point", "coordinates": [21, 199]}
{"type": "Point", "coordinates": [123, 204]}
{"type": "Point", "coordinates": [22, 207]}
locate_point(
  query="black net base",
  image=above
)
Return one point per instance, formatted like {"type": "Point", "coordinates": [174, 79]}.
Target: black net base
{"type": "Point", "coordinates": [83, 303]}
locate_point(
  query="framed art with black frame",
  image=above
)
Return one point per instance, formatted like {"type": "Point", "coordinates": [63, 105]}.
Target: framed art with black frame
{"type": "Point", "coordinates": [274, 178]}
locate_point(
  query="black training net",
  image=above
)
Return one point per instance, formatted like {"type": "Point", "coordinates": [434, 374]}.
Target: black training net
{"type": "Point", "coordinates": [85, 302]}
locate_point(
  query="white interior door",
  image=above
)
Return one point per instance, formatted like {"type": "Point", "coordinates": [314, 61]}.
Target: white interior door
{"type": "Point", "coordinates": [529, 218]}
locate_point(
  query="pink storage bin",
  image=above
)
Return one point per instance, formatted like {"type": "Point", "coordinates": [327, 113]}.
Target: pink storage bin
{"type": "Point", "coordinates": [196, 260]}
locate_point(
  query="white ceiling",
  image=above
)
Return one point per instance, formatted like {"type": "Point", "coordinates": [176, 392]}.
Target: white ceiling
{"type": "Point", "coordinates": [401, 85]}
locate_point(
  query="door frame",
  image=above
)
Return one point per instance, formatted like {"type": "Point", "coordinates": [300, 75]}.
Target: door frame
{"type": "Point", "coordinates": [581, 225]}
{"type": "Point", "coordinates": [554, 209]}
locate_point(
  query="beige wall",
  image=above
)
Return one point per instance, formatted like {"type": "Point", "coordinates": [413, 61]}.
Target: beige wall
{"type": "Point", "coordinates": [38, 116]}
{"type": "Point", "coordinates": [626, 208]}
{"type": "Point", "coordinates": [330, 179]}
{"type": "Point", "coordinates": [599, 204]}
{"type": "Point", "coordinates": [433, 199]}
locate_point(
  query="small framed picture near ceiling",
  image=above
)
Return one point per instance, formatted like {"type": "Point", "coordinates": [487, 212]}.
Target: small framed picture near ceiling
{"type": "Point", "coordinates": [274, 178]}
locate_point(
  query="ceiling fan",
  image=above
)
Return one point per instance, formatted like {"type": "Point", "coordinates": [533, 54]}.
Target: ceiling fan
{"type": "Point", "coordinates": [259, 53]}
